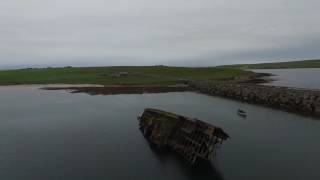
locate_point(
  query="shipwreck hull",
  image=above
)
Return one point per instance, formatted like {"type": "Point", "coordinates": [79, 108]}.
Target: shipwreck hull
{"type": "Point", "coordinates": [193, 139]}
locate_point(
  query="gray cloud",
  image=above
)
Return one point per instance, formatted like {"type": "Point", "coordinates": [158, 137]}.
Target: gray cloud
{"type": "Point", "coordinates": [144, 32]}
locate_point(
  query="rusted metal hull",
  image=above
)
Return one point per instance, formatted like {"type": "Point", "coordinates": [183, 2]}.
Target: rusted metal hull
{"type": "Point", "coordinates": [195, 140]}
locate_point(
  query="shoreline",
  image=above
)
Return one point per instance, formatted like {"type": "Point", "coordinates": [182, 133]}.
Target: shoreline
{"type": "Point", "coordinates": [118, 89]}
{"type": "Point", "coordinates": [250, 90]}
{"type": "Point", "coordinates": [259, 78]}
{"type": "Point", "coordinates": [298, 101]}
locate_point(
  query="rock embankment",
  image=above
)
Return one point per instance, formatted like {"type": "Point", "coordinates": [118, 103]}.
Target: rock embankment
{"type": "Point", "coordinates": [295, 100]}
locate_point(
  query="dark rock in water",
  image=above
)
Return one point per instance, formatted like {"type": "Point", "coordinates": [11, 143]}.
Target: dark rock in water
{"type": "Point", "coordinates": [195, 140]}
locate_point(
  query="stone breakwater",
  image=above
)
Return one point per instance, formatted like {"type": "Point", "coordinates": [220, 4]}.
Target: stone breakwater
{"type": "Point", "coordinates": [290, 99]}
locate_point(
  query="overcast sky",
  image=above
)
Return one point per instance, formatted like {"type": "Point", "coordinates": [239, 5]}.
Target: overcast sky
{"type": "Point", "coordinates": [148, 32]}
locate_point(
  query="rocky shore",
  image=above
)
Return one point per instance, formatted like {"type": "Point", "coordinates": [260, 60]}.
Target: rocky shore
{"type": "Point", "coordinates": [290, 99]}
{"type": "Point", "coordinates": [110, 90]}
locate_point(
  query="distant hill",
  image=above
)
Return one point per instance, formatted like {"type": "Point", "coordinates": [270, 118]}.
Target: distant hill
{"type": "Point", "coordinates": [280, 65]}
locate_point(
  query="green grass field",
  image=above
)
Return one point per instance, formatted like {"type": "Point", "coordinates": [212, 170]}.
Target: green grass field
{"type": "Point", "coordinates": [145, 75]}
{"type": "Point", "coordinates": [279, 65]}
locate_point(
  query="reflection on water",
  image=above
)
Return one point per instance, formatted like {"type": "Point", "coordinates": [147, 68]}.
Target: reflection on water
{"type": "Point", "coordinates": [201, 172]}
{"type": "Point", "coordinates": [298, 78]}
{"type": "Point", "coordinates": [56, 135]}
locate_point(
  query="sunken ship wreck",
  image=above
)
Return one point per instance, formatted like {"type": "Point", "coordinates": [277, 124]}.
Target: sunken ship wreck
{"type": "Point", "coordinates": [193, 139]}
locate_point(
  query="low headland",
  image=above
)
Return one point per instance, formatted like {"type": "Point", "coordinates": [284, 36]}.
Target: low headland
{"type": "Point", "coordinates": [230, 82]}
{"type": "Point", "coordinates": [121, 80]}
{"type": "Point", "coordinates": [125, 80]}
{"type": "Point", "coordinates": [125, 76]}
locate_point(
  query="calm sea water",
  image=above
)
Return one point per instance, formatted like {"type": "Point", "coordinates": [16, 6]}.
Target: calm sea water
{"type": "Point", "coordinates": [300, 78]}
{"type": "Point", "coordinates": [49, 135]}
